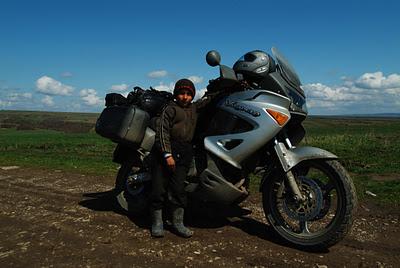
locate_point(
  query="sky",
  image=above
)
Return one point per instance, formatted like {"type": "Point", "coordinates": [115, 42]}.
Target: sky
{"type": "Point", "coordinates": [67, 55]}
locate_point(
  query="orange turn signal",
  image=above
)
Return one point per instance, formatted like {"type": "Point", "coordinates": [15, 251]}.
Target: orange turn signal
{"type": "Point", "coordinates": [279, 117]}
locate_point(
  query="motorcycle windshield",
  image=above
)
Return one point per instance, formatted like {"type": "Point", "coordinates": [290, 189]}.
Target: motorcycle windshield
{"type": "Point", "coordinates": [295, 92]}
{"type": "Point", "coordinates": [287, 70]}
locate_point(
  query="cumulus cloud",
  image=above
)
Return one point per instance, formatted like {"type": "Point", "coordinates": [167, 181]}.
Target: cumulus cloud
{"type": "Point", "coordinates": [378, 81]}
{"type": "Point", "coordinates": [195, 79]}
{"type": "Point", "coordinates": [90, 98]}
{"type": "Point", "coordinates": [121, 87]}
{"type": "Point", "coordinates": [48, 101]}
{"type": "Point", "coordinates": [50, 86]}
{"type": "Point", "coordinates": [369, 93]}
{"type": "Point", "coordinates": [322, 92]}
{"type": "Point", "coordinates": [157, 74]}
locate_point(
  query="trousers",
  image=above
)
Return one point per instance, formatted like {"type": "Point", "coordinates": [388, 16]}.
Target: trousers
{"type": "Point", "coordinates": [168, 187]}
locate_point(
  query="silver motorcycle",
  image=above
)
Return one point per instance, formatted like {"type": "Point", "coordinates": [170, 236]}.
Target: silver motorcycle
{"type": "Point", "coordinates": [253, 125]}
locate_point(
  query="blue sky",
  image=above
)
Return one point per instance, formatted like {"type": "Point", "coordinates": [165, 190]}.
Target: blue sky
{"type": "Point", "coordinates": [66, 55]}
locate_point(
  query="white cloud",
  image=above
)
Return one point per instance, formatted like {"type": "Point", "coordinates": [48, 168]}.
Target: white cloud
{"type": "Point", "coordinates": [320, 103]}
{"type": "Point", "coordinates": [4, 104]}
{"type": "Point", "coordinates": [370, 93]}
{"type": "Point", "coordinates": [87, 91]}
{"type": "Point", "coordinates": [15, 97]}
{"type": "Point", "coordinates": [195, 79]}
{"type": "Point", "coordinates": [121, 87]}
{"type": "Point", "coordinates": [48, 85]}
{"type": "Point", "coordinates": [9, 98]}
{"type": "Point", "coordinates": [90, 98]}
{"type": "Point", "coordinates": [48, 101]}
{"type": "Point", "coordinates": [157, 74]}
{"type": "Point", "coordinates": [200, 93]}
{"type": "Point", "coordinates": [319, 91]}
{"type": "Point", "coordinates": [378, 81]}
{"type": "Point", "coordinates": [393, 91]}
{"type": "Point", "coordinates": [163, 87]}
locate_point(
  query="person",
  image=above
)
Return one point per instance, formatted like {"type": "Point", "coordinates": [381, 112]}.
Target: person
{"type": "Point", "coordinates": [172, 157]}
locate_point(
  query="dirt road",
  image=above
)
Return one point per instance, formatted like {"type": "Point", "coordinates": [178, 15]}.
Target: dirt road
{"type": "Point", "coordinates": [56, 219]}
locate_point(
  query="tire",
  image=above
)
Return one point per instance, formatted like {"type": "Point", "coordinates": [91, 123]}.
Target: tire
{"type": "Point", "coordinates": [326, 216]}
{"type": "Point", "coordinates": [131, 199]}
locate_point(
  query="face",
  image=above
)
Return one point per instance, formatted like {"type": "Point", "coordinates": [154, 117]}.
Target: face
{"type": "Point", "coordinates": [184, 98]}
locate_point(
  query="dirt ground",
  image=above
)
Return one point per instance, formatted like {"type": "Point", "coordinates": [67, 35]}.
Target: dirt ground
{"type": "Point", "coordinates": [49, 218]}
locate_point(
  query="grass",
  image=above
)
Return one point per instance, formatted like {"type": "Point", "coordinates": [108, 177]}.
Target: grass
{"type": "Point", "coordinates": [367, 147]}
{"type": "Point", "coordinates": [387, 192]}
{"type": "Point", "coordinates": [84, 152]}
{"type": "Point", "coordinates": [364, 145]}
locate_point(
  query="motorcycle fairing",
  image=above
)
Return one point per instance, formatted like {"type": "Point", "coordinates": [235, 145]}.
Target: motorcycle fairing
{"type": "Point", "coordinates": [213, 187]}
{"type": "Point", "coordinates": [250, 106]}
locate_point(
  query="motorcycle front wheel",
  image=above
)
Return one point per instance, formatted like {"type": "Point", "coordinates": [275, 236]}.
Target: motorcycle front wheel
{"type": "Point", "coordinates": [324, 217]}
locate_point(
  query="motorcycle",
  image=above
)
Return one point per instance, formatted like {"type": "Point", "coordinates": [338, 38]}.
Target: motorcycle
{"type": "Point", "coordinates": [250, 127]}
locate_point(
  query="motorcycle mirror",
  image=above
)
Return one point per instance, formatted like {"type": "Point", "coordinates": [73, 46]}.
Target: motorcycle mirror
{"type": "Point", "coordinates": [213, 58]}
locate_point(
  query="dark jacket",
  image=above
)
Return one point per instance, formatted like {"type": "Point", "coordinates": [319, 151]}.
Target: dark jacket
{"type": "Point", "coordinates": [177, 124]}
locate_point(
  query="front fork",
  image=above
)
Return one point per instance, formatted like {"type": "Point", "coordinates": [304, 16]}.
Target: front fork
{"type": "Point", "coordinates": [285, 160]}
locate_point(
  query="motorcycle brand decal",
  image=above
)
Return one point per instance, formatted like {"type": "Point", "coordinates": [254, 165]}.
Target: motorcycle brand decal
{"type": "Point", "coordinates": [240, 107]}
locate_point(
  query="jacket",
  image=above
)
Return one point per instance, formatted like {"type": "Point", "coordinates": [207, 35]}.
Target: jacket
{"type": "Point", "coordinates": [177, 124]}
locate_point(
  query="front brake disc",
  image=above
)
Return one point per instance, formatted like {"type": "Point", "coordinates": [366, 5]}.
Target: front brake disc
{"type": "Point", "coordinates": [308, 209]}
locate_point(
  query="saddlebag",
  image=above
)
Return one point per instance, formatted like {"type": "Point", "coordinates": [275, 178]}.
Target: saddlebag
{"type": "Point", "coordinates": [115, 99]}
{"type": "Point", "coordinates": [123, 124]}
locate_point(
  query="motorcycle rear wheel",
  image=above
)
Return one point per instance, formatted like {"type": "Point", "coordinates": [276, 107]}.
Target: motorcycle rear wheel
{"type": "Point", "coordinates": [327, 214]}
{"type": "Point", "coordinates": [133, 199]}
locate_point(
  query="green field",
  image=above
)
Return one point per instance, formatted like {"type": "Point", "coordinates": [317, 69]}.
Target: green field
{"type": "Point", "coordinates": [369, 148]}
{"type": "Point", "coordinates": [64, 141]}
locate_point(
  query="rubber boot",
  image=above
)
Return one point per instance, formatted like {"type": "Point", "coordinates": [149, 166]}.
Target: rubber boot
{"type": "Point", "coordinates": [177, 223]}
{"type": "Point", "coordinates": [157, 228]}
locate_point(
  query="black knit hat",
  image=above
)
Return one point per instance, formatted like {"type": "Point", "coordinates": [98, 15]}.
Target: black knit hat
{"type": "Point", "coordinates": [184, 84]}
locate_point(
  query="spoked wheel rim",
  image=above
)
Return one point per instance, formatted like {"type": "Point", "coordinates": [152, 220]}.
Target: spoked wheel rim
{"type": "Point", "coordinates": [321, 209]}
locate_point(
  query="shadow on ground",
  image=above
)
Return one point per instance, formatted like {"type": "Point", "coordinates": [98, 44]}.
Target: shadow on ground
{"type": "Point", "coordinates": [198, 215]}
{"type": "Point", "coordinates": [106, 201]}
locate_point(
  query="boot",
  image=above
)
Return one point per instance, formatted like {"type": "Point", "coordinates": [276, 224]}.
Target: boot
{"type": "Point", "coordinates": [157, 228]}
{"type": "Point", "coordinates": [177, 223]}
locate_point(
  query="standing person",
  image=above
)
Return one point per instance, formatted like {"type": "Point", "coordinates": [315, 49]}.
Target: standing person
{"type": "Point", "coordinates": [172, 156]}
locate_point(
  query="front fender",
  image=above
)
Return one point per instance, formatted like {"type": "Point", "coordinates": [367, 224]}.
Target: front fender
{"type": "Point", "coordinates": [289, 158]}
